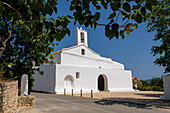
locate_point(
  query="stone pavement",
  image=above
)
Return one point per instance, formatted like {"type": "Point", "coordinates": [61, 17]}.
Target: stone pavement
{"type": "Point", "coordinates": [28, 110]}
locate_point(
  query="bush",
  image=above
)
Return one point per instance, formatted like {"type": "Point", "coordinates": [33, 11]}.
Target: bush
{"type": "Point", "coordinates": [157, 82]}
{"type": "Point", "coordinates": [148, 88]}
{"type": "Point", "coordinates": [157, 88]}
{"type": "Point", "coordinates": [141, 88]}
{"type": "Point", "coordinates": [145, 83]}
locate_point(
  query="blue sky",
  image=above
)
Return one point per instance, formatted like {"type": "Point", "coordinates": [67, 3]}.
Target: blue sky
{"type": "Point", "coordinates": [134, 51]}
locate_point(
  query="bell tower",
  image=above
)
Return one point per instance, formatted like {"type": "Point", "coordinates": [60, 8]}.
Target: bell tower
{"type": "Point", "coordinates": [81, 36]}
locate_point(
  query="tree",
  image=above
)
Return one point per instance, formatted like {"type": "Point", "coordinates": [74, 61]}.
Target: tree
{"type": "Point", "coordinates": [157, 82]}
{"type": "Point", "coordinates": [159, 21]}
{"type": "Point", "coordinates": [27, 35]}
{"type": "Point", "coordinates": [136, 82]}
{"type": "Point", "coordinates": [145, 83]}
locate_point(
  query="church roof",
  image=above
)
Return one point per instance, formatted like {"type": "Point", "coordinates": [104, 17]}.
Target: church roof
{"type": "Point", "coordinates": [72, 48]}
{"type": "Point", "coordinates": [56, 52]}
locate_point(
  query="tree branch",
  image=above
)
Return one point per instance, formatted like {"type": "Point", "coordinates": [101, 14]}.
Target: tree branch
{"type": "Point", "coordinates": [15, 11]}
{"type": "Point", "coordinates": [117, 16]}
{"type": "Point", "coordinates": [125, 23]}
{"type": "Point", "coordinates": [3, 47]}
{"type": "Point", "coordinates": [35, 10]}
{"type": "Point", "coordinates": [101, 24]}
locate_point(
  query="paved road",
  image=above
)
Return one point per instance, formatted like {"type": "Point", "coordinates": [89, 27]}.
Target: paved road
{"type": "Point", "coordinates": [50, 103]}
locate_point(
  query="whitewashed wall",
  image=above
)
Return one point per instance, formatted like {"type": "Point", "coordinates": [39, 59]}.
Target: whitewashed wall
{"type": "Point", "coordinates": [57, 58]}
{"type": "Point", "coordinates": [45, 82]}
{"type": "Point", "coordinates": [118, 80]}
{"type": "Point", "coordinates": [73, 57]}
{"type": "Point", "coordinates": [166, 80]}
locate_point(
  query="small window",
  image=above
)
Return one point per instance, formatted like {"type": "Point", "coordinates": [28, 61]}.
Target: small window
{"type": "Point", "coordinates": [83, 52]}
{"type": "Point", "coordinates": [82, 37]}
{"type": "Point", "coordinates": [77, 74]}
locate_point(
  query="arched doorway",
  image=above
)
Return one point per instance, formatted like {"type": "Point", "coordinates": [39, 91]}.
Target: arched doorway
{"type": "Point", "coordinates": [68, 82]}
{"type": "Point", "coordinates": [102, 83]}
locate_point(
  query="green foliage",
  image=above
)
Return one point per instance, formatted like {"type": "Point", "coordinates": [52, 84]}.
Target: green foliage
{"type": "Point", "coordinates": [157, 88]}
{"type": "Point", "coordinates": [157, 82]}
{"type": "Point", "coordinates": [125, 10]}
{"type": "Point", "coordinates": [141, 88]}
{"type": "Point", "coordinates": [145, 83]}
{"type": "Point", "coordinates": [33, 35]}
{"type": "Point", "coordinates": [159, 22]}
{"type": "Point", "coordinates": [148, 88]}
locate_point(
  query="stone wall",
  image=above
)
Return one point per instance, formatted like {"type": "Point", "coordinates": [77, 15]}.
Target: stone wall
{"type": "Point", "coordinates": [25, 101]}
{"type": "Point", "coordinates": [8, 97]}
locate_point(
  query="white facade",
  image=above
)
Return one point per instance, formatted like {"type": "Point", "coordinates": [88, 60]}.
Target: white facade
{"type": "Point", "coordinates": [166, 80]}
{"type": "Point", "coordinates": [78, 67]}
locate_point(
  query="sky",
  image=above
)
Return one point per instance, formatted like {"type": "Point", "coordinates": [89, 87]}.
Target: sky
{"type": "Point", "coordinates": [134, 51]}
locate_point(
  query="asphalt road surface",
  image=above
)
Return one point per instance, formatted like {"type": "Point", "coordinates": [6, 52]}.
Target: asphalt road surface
{"type": "Point", "coordinates": [50, 103]}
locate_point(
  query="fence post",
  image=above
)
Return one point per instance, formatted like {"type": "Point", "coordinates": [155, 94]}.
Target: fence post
{"type": "Point", "coordinates": [64, 91]}
{"type": "Point", "coordinates": [81, 93]}
{"type": "Point", "coordinates": [72, 92]}
{"type": "Point", "coordinates": [91, 93]}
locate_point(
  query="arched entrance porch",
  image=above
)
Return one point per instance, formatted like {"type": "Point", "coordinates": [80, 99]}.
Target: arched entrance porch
{"type": "Point", "coordinates": [102, 83]}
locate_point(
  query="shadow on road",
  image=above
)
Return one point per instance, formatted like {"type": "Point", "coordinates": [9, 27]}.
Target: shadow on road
{"type": "Point", "coordinates": [148, 95]}
{"type": "Point", "coordinates": [138, 103]}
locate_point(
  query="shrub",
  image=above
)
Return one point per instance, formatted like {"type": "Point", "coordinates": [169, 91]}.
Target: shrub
{"type": "Point", "coordinates": [136, 82]}
{"type": "Point", "coordinates": [145, 83]}
{"type": "Point", "coordinates": [141, 88]}
{"type": "Point", "coordinates": [157, 88]}
{"type": "Point", "coordinates": [157, 82]}
{"type": "Point", "coordinates": [148, 88]}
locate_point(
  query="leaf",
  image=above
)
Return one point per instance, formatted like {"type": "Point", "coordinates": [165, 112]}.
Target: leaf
{"type": "Point", "coordinates": [122, 34]}
{"type": "Point", "coordinates": [115, 6]}
{"type": "Point", "coordinates": [143, 11]}
{"type": "Point", "coordinates": [41, 72]}
{"type": "Point", "coordinates": [98, 7]}
{"type": "Point", "coordinates": [138, 18]}
{"type": "Point", "coordinates": [112, 15]}
{"type": "Point", "coordinates": [55, 9]}
{"type": "Point", "coordinates": [2, 8]}
{"type": "Point", "coordinates": [111, 21]}
{"type": "Point", "coordinates": [105, 4]}
{"type": "Point", "coordinates": [135, 26]}
{"type": "Point", "coordinates": [72, 6]}
{"type": "Point", "coordinates": [148, 6]}
{"type": "Point", "coordinates": [81, 21]}
{"type": "Point", "coordinates": [96, 16]}
{"type": "Point", "coordinates": [115, 27]}
{"type": "Point", "coordinates": [95, 25]}
{"type": "Point", "coordinates": [129, 30]}
{"type": "Point", "coordinates": [135, 7]}
{"type": "Point", "coordinates": [123, 13]}
{"type": "Point", "coordinates": [129, 24]}
{"type": "Point", "coordinates": [126, 7]}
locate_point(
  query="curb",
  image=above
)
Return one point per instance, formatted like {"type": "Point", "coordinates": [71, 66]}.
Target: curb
{"type": "Point", "coordinates": [28, 110]}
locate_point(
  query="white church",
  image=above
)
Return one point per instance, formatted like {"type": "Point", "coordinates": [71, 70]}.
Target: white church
{"type": "Point", "coordinates": [78, 67]}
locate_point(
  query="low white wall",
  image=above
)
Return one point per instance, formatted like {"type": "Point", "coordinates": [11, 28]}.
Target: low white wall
{"type": "Point", "coordinates": [45, 82]}
{"type": "Point", "coordinates": [166, 80]}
